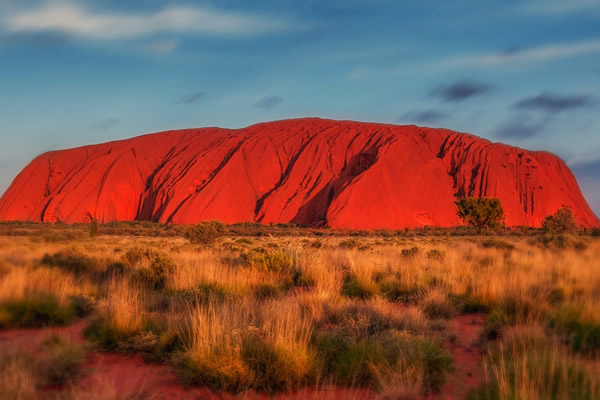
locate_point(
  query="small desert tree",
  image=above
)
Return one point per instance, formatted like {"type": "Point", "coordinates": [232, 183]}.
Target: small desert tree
{"type": "Point", "coordinates": [481, 212]}
{"type": "Point", "coordinates": [92, 226]}
{"type": "Point", "coordinates": [206, 232]}
{"type": "Point", "coordinates": [562, 221]}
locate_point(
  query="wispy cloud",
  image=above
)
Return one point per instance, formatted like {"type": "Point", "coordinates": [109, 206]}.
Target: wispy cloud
{"type": "Point", "coordinates": [268, 102]}
{"type": "Point", "coordinates": [430, 116]}
{"type": "Point", "coordinates": [74, 19]}
{"type": "Point", "coordinates": [555, 103]}
{"type": "Point", "coordinates": [460, 90]}
{"type": "Point", "coordinates": [557, 7]}
{"type": "Point", "coordinates": [526, 55]}
{"type": "Point", "coordinates": [191, 98]}
{"type": "Point", "coordinates": [106, 124]}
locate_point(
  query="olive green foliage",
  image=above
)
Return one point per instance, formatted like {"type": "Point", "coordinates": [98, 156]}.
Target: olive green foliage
{"type": "Point", "coordinates": [93, 228]}
{"type": "Point", "coordinates": [63, 357]}
{"type": "Point", "coordinates": [481, 212]}
{"type": "Point", "coordinates": [35, 312]}
{"type": "Point", "coordinates": [206, 233]}
{"type": "Point", "coordinates": [72, 261]}
{"type": "Point", "coordinates": [563, 221]}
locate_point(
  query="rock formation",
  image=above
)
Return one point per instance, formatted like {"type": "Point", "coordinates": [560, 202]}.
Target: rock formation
{"type": "Point", "coordinates": [310, 171]}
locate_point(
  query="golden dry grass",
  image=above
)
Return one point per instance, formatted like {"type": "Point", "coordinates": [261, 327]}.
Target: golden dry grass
{"type": "Point", "coordinates": [231, 325]}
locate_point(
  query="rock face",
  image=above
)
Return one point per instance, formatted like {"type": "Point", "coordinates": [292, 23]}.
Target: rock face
{"type": "Point", "coordinates": [307, 171]}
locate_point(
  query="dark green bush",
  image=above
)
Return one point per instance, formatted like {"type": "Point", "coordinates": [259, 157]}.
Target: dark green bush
{"type": "Point", "coordinates": [358, 288]}
{"type": "Point", "coordinates": [395, 290]}
{"type": "Point", "coordinates": [349, 244]}
{"type": "Point", "coordinates": [269, 260]}
{"type": "Point", "coordinates": [563, 221]}
{"type": "Point", "coordinates": [155, 275]}
{"type": "Point", "coordinates": [410, 252]}
{"type": "Point", "coordinates": [206, 233]}
{"type": "Point", "coordinates": [135, 255]}
{"type": "Point", "coordinates": [71, 261]}
{"type": "Point", "coordinates": [497, 244]}
{"type": "Point", "coordinates": [436, 254]}
{"type": "Point", "coordinates": [35, 312]}
{"type": "Point", "coordinates": [61, 361]}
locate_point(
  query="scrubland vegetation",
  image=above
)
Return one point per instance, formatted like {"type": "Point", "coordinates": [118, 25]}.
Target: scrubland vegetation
{"type": "Point", "coordinates": [275, 312]}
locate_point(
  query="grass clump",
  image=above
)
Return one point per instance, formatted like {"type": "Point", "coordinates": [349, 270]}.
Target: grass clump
{"type": "Point", "coordinates": [529, 365]}
{"type": "Point", "coordinates": [235, 346]}
{"type": "Point", "coordinates": [18, 374]}
{"type": "Point", "coordinates": [71, 261]}
{"type": "Point", "coordinates": [61, 361]}
{"type": "Point", "coordinates": [35, 311]}
{"type": "Point", "coordinates": [355, 287]}
{"type": "Point", "coordinates": [120, 317]}
{"type": "Point", "coordinates": [437, 305]}
{"type": "Point", "coordinates": [268, 260]}
{"type": "Point", "coordinates": [154, 276]}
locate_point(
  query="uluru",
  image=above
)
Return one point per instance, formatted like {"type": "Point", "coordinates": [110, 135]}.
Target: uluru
{"type": "Point", "coordinates": [311, 172]}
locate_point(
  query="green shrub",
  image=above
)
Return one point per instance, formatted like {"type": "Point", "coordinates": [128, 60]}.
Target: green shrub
{"type": "Point", "coordinates": [562, 241]}
{"type": "Point", "coordinates": [360, 362]}
{"type": "Point", "coordinates": [61, 361]}
{"type": "Point", "coordinates": [411, 252]}
{"type": "Point", "coordinates": [206, 233]}
{"type": "Point", "coordinates": [349, 244]}
{"type": "Point", "coordinates": [469, 304]}
{"type": "Point", "coordinates": [155, 275]}
{"type": "Point", "coordinates": [358, 288]}
{"type": "Point", "coordinates": [100, 332]}
{"type": "Point", "coordinates": [530, 367]}
{"type": "Point", "coordinates": [268, 260]}
{"type": "Point", "coordinates": [437, 305]}
{"type": "Point", "coordinates": [35, 312]}
{"type": "Point", "coordinates": [71, 261]}
{"type": "Point", "coordinates": [276, 367]}
{"type": "Point", "coordinates": [585, 338]}
{"type": "Point", "coordinates": [267, 291]}
{"type": "Point", "coordinates": [353, 366]}
{"type": "Point", "coordinates": [435, 254]}
{"type": "Point", "coordinates": [396, 290]}
{"type": "Point", "coordinates": [497, 244]}
{"type": "Point", "coordinates": [82, 305]}
{"type": "Point", "coordinates": [93, 228]}
{"type": "Point", "coordinates": [135, 255]}
{"type": "Point", "coordinates": [481, 213]}
{"type": "Point", "coordinates": [563, 221]}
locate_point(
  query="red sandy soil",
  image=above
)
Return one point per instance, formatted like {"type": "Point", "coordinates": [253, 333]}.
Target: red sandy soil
{"type": "Point", "coordinates": [468, 368]}
{"type": "Point", "coordinates": [309, 171]}
{"type": "Point", "coordinates": [128, 374]}
{"type": "Point", "coordinates": [123, 374]}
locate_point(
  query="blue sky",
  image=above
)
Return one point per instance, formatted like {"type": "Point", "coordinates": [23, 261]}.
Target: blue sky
{"type": "Point", "coordinates": [76, 72]}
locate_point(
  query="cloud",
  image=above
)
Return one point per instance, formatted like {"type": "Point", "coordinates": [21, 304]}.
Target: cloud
{"type": "Point", "coordinates": [44, 39]}
{"type": "Point", "coordinates": [460, 90]}
{"type": "Point", "coordinates": [557, 7]}
{"type": "Point", "coordinates": [106, 124]}
{"type": "Point", "coordinates": [554, 103]}
{"type": "Point", "coordinates": [76, 20]}
{"type": "Point", "coordinates": [268, 102]}
{"type": "Point", "coordinates": [191, 98]}
{"type": "Point", "coordinates": [162, 46]}
{"type": "Point", "coordinates": [424, 116]}
{"type": "Point", "coordinates": [520, 127]}
{"type": "Point", "coordinates": [523, 55]}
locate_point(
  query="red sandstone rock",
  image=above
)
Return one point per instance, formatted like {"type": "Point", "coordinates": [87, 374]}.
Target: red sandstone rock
{"type": "Point", "coordinates": [306, 171]}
